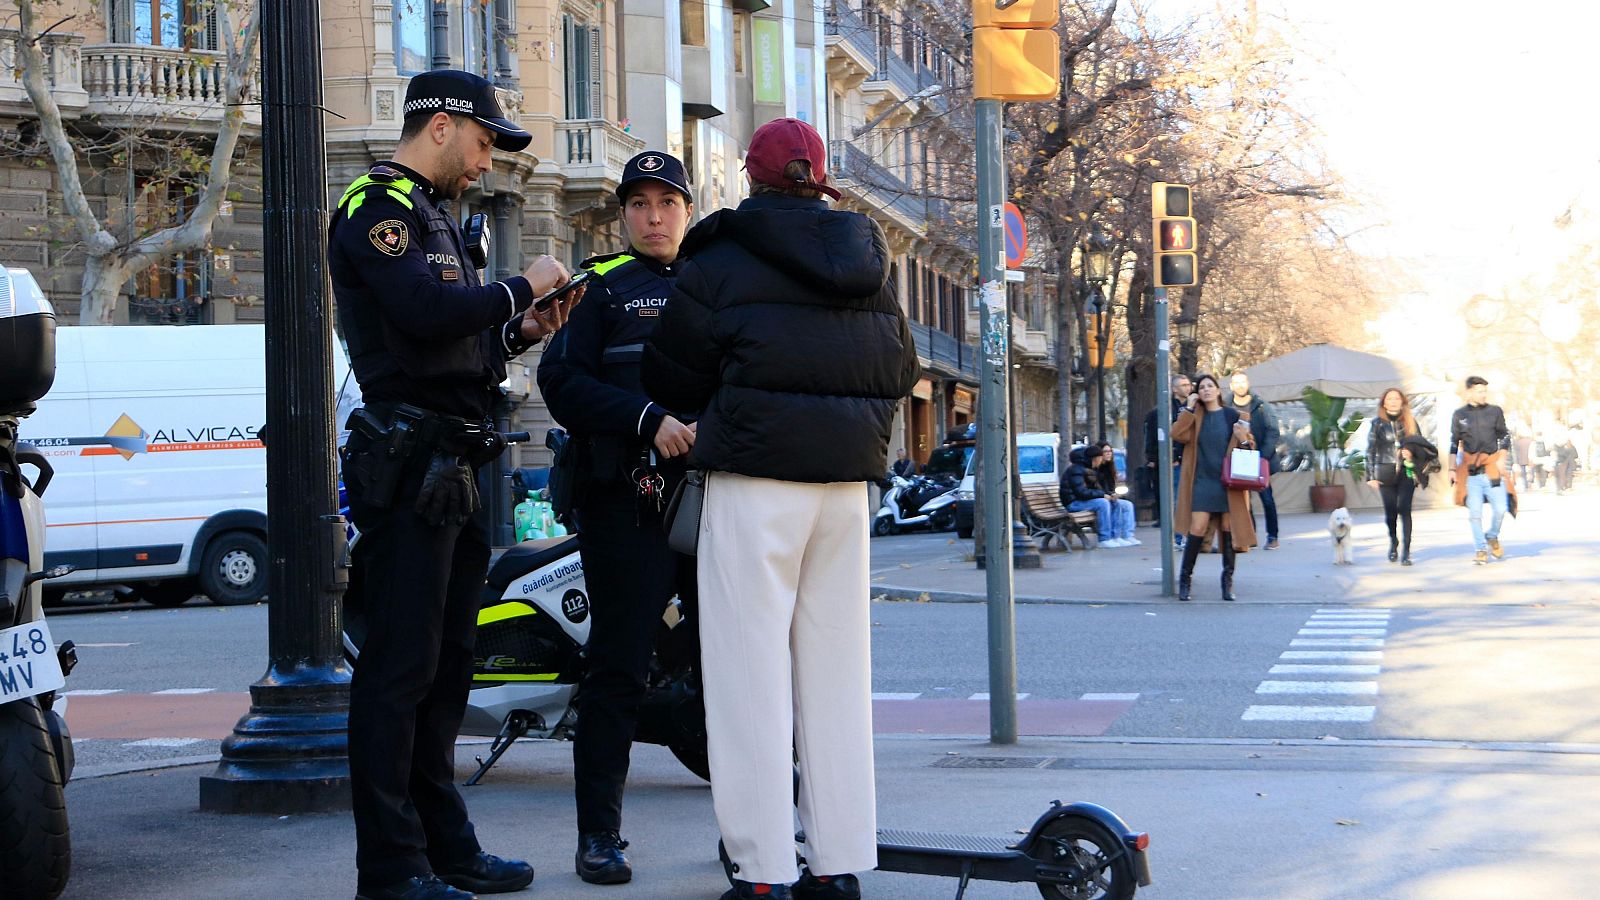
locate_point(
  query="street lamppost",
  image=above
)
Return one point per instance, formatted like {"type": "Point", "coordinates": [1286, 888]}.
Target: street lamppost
{"type": "Point", "coordinates": [1096, 271]}
{"type": "Point", "coordinates": [1188, 328]}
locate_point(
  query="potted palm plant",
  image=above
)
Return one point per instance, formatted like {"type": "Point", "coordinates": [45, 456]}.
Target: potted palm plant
{"type": "Point", "coordinates": [1328, 438]}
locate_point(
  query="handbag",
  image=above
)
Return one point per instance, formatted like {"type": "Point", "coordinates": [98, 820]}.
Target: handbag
{"type": "Point", "coordinates": [682, 518]}
{"type": "Point", "coordinates": [1246, 470]}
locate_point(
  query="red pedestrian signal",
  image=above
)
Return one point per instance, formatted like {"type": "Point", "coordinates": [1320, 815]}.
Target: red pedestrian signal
{"type": "Point", "coordinates": [1172, 229]}
{"type": "Point", "coordinates": [1175, 234]}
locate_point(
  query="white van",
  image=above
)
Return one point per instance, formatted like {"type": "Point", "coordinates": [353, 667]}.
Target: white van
{"type": "Point", "coordinates": [1038, 462]}
{"type": "Point", "coordinates": [161, 477]}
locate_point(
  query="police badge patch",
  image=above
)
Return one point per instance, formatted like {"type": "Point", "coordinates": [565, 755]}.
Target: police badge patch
{"type": "Point", "coordinates": [389, 236]}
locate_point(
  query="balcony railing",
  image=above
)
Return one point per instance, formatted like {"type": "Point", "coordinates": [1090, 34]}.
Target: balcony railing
{"type": "Point", "coordinates": [594, 149]}
{"type": "Point", "coordinates": [130, 79]}
{"type": "Point", "coordinates": [62, 62]}
{"type": "Point", "coordinates": [847, 24]}
{"type": "Point", "coordinates": [853, 166]}
{"type": "Point", "coordinates": [895, 71]}
{"type": "Point", "coordinates": [943, 351]}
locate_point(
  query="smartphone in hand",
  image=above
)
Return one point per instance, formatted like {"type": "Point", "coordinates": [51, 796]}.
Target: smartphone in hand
{"type": "Point", "coordinates": [573, 283]}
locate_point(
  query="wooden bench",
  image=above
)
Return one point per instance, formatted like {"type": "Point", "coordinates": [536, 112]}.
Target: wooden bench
{"type": "Point", "coordinates": [1046, 518]}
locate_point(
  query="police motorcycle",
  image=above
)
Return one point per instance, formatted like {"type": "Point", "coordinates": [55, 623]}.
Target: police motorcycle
{"type": "Point", "coordinates": [35, 749]}
{"type": "Point", "coordinates": [914, 502]}
{"type": "Point", "coordinates": [533, 626]}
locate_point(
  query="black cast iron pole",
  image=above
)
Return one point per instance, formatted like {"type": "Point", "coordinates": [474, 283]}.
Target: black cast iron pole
{"type": "Point", "coordinates": [289, 753]}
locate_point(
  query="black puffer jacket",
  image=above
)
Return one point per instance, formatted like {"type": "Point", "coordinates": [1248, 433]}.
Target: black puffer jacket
{"type": "Point", "coordinates": [1079, 482]}
{"type": "Point", "coordinates": [786, 331]}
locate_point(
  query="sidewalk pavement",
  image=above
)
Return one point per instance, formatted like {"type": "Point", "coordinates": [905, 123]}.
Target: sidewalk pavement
{"type": "Point", "coordinates": [1298, 811]}
{"type": "Point", "coordinates": [1549, 555]}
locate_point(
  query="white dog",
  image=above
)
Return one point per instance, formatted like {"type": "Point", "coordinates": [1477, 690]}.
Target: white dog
{"type": "Point", "coordinates": [1339, 524]}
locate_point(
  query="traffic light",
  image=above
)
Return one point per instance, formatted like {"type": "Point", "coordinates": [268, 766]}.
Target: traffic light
{"type": "Point", "coordinates": [1016, 53]}
{"type": "Point", "coordinates": [1173, 229]}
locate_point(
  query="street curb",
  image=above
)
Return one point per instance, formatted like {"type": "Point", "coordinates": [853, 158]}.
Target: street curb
{"type": "Point", "coordinates": [921, 595]}
{"type": "Point", "coordinates": [176, 762]}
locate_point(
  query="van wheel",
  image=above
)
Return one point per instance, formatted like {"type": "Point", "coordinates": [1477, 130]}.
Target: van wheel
{"type": "Point", "coordinates": [234, 569]}
{"type": "Point", "coordinates": [167, 594]}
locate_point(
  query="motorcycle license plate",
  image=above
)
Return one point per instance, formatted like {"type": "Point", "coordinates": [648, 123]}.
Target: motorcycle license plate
{"type": "Point", "coordinates": [28, 663]}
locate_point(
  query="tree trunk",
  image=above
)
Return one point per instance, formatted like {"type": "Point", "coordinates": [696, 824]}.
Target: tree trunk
{"type": "Point", "coordinates": [1141, 369]}
{"type": "Point", "coordinates": [103, 278]}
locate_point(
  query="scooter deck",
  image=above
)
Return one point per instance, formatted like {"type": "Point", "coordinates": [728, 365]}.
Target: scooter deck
{"type": "Point", "coordinates": [937, 843]}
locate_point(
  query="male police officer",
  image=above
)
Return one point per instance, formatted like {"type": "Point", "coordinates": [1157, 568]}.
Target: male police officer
{"type": "Point", "coordinates": [633, 451]}
{"type": "Point", "coordinates": [429, 345]}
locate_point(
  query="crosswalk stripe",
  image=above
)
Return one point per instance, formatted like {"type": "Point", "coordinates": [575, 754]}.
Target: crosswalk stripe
{"type": "Point", "coordinates": [1318, 687]}
{"type": "Point", "coordinates": [1376, 632]}
{"type": "Point", "coordinates": [984, 695]}
{"type": "Point", "coordinates": [163, 742]}
{"type": "Point", "coordinates": [92, 692]}
{"type": "Point", "coordinates": [1337, 642]}
{"type": "Point", "coordinates": [896, 696]}
{"type": "Point", "coordinates": [1355, 611]}
{"type": "Point", "coordinates": [1348, 620]}
{"type": "Point", "coordinates": [1309, 714]}
{"type": "Point", "coordinates": [1373, 655]}
{"type": "Point", "coordinates": [1109, 697]}
{"type": "Point", "coordinates": [187, 691]}
{"type": "Point", "coordinates": [1295, 669]}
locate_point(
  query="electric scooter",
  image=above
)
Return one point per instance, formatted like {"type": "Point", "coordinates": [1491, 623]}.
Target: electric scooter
{"type": "Point", "coordinates": [36, 757]}
{"type": "Point", "coordinates": [528, 662]}
{"type": "Point", "coordinates": [914, 502]}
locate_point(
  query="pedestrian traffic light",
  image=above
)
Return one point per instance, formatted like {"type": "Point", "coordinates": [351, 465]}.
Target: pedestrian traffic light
{"type": "Point", "coordinates": [1173, 228]}
{"type": "Point", "coordinates": [1016, 53]}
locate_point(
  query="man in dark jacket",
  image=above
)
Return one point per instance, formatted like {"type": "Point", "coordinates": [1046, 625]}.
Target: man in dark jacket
{"type": "Point", "coordinates": [1264, 429]}
{"type": "Point", "coordinates": [590, 379]}
{"type": "Point", "coordinates": [1181, 386]}
{"type": "Point", "coordinates": [1479, 441]}
{"type": "Point", "coordinates": [1080, 490]}
{"type": "Point", "coordinates": [786, 333]}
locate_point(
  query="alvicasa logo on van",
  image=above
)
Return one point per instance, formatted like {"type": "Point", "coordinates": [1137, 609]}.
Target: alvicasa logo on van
{"type": "Point", "coordinates": [125, 438]}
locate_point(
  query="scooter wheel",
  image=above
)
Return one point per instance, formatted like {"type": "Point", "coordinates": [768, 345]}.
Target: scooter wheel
{"type": "Point", "coordinates": [1104, 870]}
{"type": "Point", "coordinates": [35, 845]}
{"type": "Point", "coordinates": [882, 527]}
{"type": "Point", "coordinates": [943, 520]}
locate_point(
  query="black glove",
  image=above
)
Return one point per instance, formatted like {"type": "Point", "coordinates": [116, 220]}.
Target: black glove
{"type": "Point", "coordinates": [449, 491]}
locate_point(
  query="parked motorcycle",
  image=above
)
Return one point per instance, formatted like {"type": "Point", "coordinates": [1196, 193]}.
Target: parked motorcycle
{"type": "Point", "coordinates": [35, 750]}
{"type": "Point", "coordinates": [529, 660]}
{"type": "Point", "coordinates": [915, 502]}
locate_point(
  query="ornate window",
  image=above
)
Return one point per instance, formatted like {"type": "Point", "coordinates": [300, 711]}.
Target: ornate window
{"type": "Point", "coordinates": [413, 36]}
{"type": "Point", "coordinates": [177, 24]}
{"type": "Point", "coordinates": [585, 89]}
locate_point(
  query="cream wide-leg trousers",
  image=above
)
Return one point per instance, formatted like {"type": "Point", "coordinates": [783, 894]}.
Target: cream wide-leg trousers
{"type": "Point", "coordinates": [786, 657]}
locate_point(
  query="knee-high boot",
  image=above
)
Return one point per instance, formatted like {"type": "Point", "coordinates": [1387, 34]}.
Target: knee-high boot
{"type": "Point", "coordinates": [1405, 531]}
{"type": "Point", "coordinates": [1191, 552]}
{"type": "Point", "coordinates": [1228, 556]}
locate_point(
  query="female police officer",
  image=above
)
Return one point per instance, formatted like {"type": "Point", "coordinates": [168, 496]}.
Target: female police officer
{"type": "Point", "coordinates": [429, 345]}
{"type": "Point", "coordinates": [633, 451]}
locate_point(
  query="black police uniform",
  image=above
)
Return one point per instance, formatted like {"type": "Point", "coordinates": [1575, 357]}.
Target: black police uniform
{"type": "Point", "coordinates": [589, 376]}
{"type": "Point", "coordinates": [424, 336]}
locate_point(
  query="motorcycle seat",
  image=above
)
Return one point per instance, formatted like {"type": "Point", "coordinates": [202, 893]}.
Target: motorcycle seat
{"type": "Point", "coordinates": [527, 556]}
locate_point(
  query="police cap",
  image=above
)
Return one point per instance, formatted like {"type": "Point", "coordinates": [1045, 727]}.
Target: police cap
{"type": "Point", "coordinates": [653, 165]}
{"type": "Point", "coordinates": [464, 94]}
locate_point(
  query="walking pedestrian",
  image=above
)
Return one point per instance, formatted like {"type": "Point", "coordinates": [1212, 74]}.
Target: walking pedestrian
{"type": "Point", "coordinates": [786, 332]}
{"type": "Point", "coordinates": [1566, 464]}
{"type": "Point", "coordinates": [1122, 515]}
{"type": "Point", "coordinates": [632, 457]}
{"type": "Point", "coordinates": [1393, 471]}
{"type": "Point", "coordinates": [1264, 428]}
{"type": "Point", "coordinates": [429, 346]}
{"type": "Point", "coordinates": [1210, 431]}
{"type": "Point", "coordinates": [1522, 449]}
{"type": "Point", "coordinates": [1156, 430]}
{"type": "Point", "coordinates": [1478, 443]}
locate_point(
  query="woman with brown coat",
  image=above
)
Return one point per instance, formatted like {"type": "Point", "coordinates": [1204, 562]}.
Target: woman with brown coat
{"type": "Point", "coordinates": [1210, 432]}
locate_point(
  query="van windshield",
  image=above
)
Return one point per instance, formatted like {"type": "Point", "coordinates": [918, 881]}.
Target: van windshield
{"type": "Point", "coordinates": [1036, 460]}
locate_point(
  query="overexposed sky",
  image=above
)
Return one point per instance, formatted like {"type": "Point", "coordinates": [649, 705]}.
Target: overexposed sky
{"type": "Point", "coordinates": [1468, 129]}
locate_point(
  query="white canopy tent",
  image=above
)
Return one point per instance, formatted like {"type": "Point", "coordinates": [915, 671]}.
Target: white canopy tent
{"type": "Point", "coordinates": [1335, 371]}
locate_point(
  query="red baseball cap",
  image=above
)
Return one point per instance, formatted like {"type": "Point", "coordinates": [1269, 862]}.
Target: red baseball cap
{"type": "Point", "coordinates": [782, 141]}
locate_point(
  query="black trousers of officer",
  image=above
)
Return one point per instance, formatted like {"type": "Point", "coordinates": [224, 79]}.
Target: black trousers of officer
{"type": "Point", "coordinates": [630, 573]}
{"type": "Point", "coordinates": [422, 591]}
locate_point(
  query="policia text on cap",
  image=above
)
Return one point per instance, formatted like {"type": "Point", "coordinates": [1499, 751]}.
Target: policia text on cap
{"type": "Point", "coordinates": [429, 344]}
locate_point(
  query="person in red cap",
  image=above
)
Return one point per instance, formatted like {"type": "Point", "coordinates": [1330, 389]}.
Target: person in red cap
{"type": "Point", "coordinates": [786, 332]}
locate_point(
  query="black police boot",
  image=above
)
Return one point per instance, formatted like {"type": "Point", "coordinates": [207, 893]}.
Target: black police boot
{"type": "Point", "coordinates": [745, 890]}
{"type": "Point", "coordinates": [600, 859]}
{"type": "Point", "coordinates": [1191, 552]}
{"type": "Point", "coordinates": [428, 888]}
{"type": "Point", "coordinates": [1394, 547]}
{"type": "Point", "coordinates": [485, 873]}
{"type": "Point", "coordinates": [827, 887]}
{"type": "Point", "coordinates": [1228, 556]}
